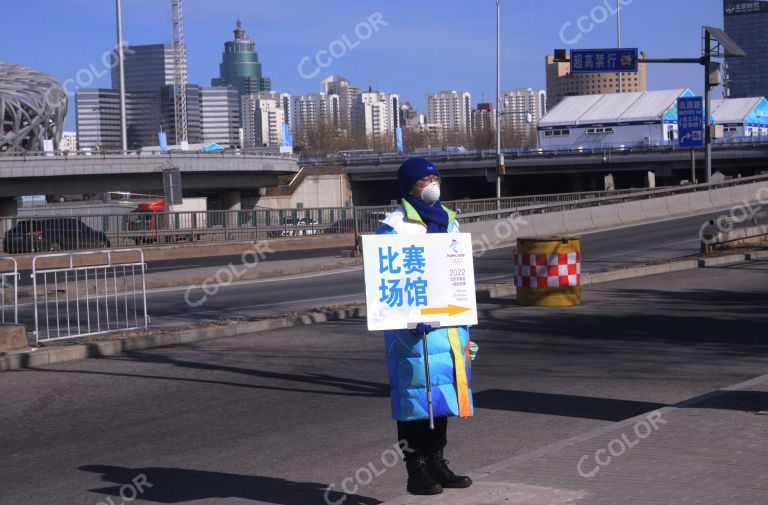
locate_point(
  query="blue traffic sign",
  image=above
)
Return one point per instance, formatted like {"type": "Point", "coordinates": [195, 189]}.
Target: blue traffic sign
{"type": "Point", "coordinates": [690, 121]}
{"type": "Point", "coordinates": [596, 61]}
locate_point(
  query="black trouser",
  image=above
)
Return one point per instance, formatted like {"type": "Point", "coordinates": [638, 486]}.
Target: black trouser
{"type": "Point", "coordinates": [420, 440]}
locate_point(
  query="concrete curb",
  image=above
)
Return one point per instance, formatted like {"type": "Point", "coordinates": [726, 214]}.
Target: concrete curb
{"type": "Point", "coordinates": [50, 355]}
{"type": "Point", "coordinates": [501, 290]}
{"type": "Point", "coordinates": [722, 260]}
{"type": "Point", "coordinates": [757, 255]}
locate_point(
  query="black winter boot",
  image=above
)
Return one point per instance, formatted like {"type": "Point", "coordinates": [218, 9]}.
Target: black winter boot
{"type": "Point", "coordinates": [438, 467]}
{"type": "Point", "coordinates": [420, 481]}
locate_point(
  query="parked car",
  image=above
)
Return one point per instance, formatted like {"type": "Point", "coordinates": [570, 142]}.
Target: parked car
{"type": "Point", "coordinates": [366, 225]}
{"type": "Point", "coordinates": [52, 234]}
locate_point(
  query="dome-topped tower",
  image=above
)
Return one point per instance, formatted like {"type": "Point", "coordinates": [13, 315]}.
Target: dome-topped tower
{"type": "Point", "coordinates": [239, 32]}
{"type": "Point", "coordinates": [240, 66]}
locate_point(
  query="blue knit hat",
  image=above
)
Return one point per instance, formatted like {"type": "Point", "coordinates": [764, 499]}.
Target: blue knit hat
{"type": "Point", "coordinates": [412, 170]}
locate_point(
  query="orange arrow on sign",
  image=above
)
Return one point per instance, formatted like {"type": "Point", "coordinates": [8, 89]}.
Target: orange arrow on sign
{"type": "Point", "coordinates": [451, 310]}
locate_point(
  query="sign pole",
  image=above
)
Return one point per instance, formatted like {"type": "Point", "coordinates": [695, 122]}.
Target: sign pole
{"type": "Point", "coordinates": [707, 109]}
{"type": "Point", "coordinates": [429, 384]}
{"type": "Point", "coordinates": [693, 166]}
{"type": "Point", "coordinates": [618, 33]}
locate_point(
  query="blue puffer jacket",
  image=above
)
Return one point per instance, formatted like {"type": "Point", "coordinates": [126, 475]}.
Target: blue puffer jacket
{"type": "Point", "coordinates": [405, 351]}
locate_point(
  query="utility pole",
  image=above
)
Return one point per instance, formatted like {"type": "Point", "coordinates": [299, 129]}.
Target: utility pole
{"type": "Point", "coordinates": [121, 73]}
{"type": "Point", "coordinates": [707, 107]}
{"type": "Point", "coordinates": [499, 157]}
{"type": "Point", "coordinates": [618, 33]}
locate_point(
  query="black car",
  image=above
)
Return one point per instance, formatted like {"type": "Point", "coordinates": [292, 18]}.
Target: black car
{"type": "Point", "coordinates": [52, 234]}
{"type": "Point", "coordinates": [366, 225]}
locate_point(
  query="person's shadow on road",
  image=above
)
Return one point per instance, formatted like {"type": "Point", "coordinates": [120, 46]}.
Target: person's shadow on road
{"type": "Point", "coordinates": [176, 485]}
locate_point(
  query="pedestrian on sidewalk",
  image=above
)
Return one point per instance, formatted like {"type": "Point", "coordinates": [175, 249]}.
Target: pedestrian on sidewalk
{"type": "Point", "coordinates": [428, 473]}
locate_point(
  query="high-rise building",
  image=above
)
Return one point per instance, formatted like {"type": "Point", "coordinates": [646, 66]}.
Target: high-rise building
{"type": "Point", "coordinates": [194, 114]}
{"type": "Point", "coordinates": [521, 111]}
{"type": "Point", "coordinates": [375, 116]}
{"type": "Point", "coordinates": [484, 120]}
{"type": "Point", "coordinates": [314, 112]}
{"type": "Point", "coordinates": [432, 135]}
{"type": "Point", "coordinates": [240, 66]}
{"type": "Point", "coordinates": [264, 116]}
{"type": "Point", "coordinates": [220, 115]}
{"type": "Point", "coordinates": [407, 113]}
{"type": "Point", "coordinates": [452, 110]}
{"type": "Point", "coordinates": [348, 97]}
{"type": "Point", "coordinates": [149, 78]}
{"type": "Point", "coordinates": [284, 102]}
{"type": "Point", "coordinates": [747, 24]}
{"type": "Point", "coordinates": [144, 119]}
{"type": "Point", "coordinates": [98, 118]}
{"type": "Point", "coordinates": [147, 68]}
{"type": "Point", "coordinates": [562, 83]}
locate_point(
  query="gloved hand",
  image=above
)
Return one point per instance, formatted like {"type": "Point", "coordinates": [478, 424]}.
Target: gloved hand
{"type": "Point", "coordinates": [421, 329]}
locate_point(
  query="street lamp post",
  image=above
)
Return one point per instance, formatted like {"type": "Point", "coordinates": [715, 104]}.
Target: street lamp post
{"type": "Point", "coordinates": [499, 157]}
{"type": "Point", "coordinates": [121, 72]}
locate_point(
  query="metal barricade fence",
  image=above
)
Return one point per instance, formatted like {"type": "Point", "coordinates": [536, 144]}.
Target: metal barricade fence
{"type": "Point", "coordinates": [9, 290]}
{"type": "Point", "coordinates": [89, 293]}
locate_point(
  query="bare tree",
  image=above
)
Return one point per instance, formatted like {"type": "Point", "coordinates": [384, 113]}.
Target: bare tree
{"type": "Point", "coordinates": [323, 139]}
{"type": "Point", "coordinates": [483, 138]}
{"type": "Point", "coordinates": [517, 138]}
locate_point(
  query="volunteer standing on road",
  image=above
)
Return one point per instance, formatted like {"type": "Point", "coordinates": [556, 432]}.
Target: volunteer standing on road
{"type": "Point", "coordinates": [428, 472]}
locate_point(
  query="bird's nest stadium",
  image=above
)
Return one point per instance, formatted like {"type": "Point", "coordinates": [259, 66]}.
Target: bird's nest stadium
{"type": "Point", "coordinates": [32, 106]}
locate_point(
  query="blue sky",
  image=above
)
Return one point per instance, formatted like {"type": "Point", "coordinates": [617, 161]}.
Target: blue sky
{"type": "Point", "coordinates": [426, 45]}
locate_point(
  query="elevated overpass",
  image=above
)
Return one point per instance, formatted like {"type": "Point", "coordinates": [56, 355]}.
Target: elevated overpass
{"type": "Point", "coordinates": [231, 173]}
{"type": "Point", "coordinates": [559, 171]}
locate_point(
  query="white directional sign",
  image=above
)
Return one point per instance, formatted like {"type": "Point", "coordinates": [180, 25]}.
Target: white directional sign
{"type": "Point", "coordinates": [413, 279]}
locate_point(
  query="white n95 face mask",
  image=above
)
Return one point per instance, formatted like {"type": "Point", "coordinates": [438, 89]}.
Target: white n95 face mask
{"type": "Point", "coordinates": [431, 193]}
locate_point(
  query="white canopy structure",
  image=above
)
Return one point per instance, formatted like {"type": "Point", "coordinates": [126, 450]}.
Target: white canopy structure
{"type": "Point", "coordinates": [648, 117]}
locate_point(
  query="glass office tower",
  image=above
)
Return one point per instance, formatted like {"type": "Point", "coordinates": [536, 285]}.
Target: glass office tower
{"type": "Point", "coordinates": [240, 67]}
{"type": "Point", "coordinates": [747, 23]}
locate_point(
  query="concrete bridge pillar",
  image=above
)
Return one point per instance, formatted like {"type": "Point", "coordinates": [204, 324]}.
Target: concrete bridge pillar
{"type": "Point", "coordinates": [8, 207]}
{"type": "Point", "coordinates": [231, 200]}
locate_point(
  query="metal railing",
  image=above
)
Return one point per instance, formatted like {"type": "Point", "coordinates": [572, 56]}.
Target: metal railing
{"type": "Point", "coordinates": [597, 199]}
{"type": "Point", "coordinates": [110, 154]}
{"type": "Point", "coordinates": [88, 293]}
{"type": "Point", "coordinates": [55, 234]}
{"type": "Point", "coordinates": [587, 148]}
{"type": "Point", "coordinates": [9, 290]}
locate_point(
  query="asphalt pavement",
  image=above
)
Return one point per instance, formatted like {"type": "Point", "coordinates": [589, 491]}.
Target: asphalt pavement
{"type": "Point", "coordinates": [169, 307]}
{"type": "Point", "coordinates": [278, 417]}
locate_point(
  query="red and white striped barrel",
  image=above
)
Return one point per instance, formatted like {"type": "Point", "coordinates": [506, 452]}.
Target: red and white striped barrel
{"type": "Point", "coordinates": [548, 272]}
